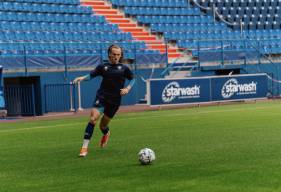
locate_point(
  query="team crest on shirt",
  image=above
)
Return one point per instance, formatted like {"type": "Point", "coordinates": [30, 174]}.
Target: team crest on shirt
{"type": "Point", "coordinates": [105, 68]}
{"type": "Point", "coordinates": [119, 67]}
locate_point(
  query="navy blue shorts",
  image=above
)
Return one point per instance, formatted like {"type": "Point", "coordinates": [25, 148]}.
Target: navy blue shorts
{"type": "Point", "coordinates": [105, 107]}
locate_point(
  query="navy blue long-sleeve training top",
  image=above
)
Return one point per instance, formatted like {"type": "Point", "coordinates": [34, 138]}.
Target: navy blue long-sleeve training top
{"type": "Point", "coordinates": [113, 79]}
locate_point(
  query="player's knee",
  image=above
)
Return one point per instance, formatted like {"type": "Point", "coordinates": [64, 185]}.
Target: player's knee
{"type": "Point", "coordinates": [93, 120]}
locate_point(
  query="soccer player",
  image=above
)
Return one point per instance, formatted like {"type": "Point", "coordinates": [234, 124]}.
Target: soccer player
{"type": "Point", "coordinates": [108, 96]}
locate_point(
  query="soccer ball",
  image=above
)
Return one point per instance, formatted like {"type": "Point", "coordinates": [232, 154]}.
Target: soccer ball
{"type": "Point", "coordinates": [146, 156]}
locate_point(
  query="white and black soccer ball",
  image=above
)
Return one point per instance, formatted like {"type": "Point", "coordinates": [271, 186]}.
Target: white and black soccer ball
{"type": "Point", "coordinates": [146, 156]}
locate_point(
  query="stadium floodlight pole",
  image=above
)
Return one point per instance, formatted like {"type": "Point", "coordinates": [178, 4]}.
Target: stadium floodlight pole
{"type": "Point", "coordinates": [79, 97]}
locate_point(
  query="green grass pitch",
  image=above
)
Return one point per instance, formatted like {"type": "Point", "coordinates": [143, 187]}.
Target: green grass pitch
{"type": "Point", "coordinates": [227, 148]}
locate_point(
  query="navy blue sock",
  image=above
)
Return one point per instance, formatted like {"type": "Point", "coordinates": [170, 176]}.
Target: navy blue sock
{"type": "Point", "coordinates": [89, 131]}
{"type": "Point", "coordinates": [105, 131]}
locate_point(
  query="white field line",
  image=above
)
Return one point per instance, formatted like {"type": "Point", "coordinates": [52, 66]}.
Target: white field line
{"type": "Point", "coordinates": [39, 127]}
{"type": "Point", "coordinates": [132, 118]}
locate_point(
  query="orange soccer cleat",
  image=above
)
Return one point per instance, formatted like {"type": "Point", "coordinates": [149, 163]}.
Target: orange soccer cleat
{"type": "Point", "coordinates": [83, 152]}
{"type": "Point", "coordinates": [104, 139]}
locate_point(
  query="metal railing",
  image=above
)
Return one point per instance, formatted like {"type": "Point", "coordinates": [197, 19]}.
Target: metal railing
{"type": "Point", "coordinates": [60, 97]}
{"type": "Point", "coordinates": [20, 100]}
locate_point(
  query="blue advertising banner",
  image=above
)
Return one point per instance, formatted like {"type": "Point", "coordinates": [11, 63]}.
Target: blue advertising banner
{"type": "Point", "coordinates": [177, 91]}
{"type": "Point", "coordinates": [206, 89]}
{"type": "Point", "coordinates": [2, 102]}
{"type": "Point", "coordinates": [239, 87]}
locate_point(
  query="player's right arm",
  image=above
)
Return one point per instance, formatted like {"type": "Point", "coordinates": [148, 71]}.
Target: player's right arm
{"type": "Point", "coordinates": [82, 78]}
{"type": "Point", "coordinates": [96, 72]}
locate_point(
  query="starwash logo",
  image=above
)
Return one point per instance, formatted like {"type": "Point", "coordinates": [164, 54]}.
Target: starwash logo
{"type": "Point", "coordinates": [173, 90]}
{"type": "Point", "coordinates": [232, 87]}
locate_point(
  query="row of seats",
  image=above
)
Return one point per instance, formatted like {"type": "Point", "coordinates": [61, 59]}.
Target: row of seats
{"type": "Point", "coordinates": [161, 11]}
{"type": "Point", "coordinates": [165, 27]}
{"type": "Point", "coordinates": [258, 34]}
{"type": "Point", "coordinates": [174, 19]}
{"type": "Point", "coordinates": [98, 48]}
{"type": "Point", "coordinates": [253, 18]}
{"type": "Point", "coordinates": [265, 46]}
{"type": "Point", "coordinates": [49, 17]}
{"type": "Point", "coordinates": [150, 3]}
{"type": "Point", "coordinates": [52, 26]}
{"type": "Point", "coordinates": [210, 45]}
{"type": "Point", "coordinates": [68, 46]}
{"type": "Point", "coordinates": [219, 34]}
{"type": "Point", "coordinates": [254, 34]}
{"type": "Point", "coordinates": [65, 2]}
{"type": "Point", "coordinates": [255, 22]}
{"type": "Point", "coordinates": [44, 7]}
{"type": "Point", "coordinates": [239, 3]}
{"type": "Point", "coordinates": [249, 25]}
{"type": "Point", "coordinates": [56, 36]}
{"type": "Point", "coordinates": [249, 10]}
{"type": "Point", "coordinates": [260, 26]}
{"type": "Point", "coordinates": [200, 35]}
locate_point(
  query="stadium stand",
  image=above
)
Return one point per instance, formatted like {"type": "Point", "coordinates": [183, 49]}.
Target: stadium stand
{"type": "Point", "coordinates": [42, 27]}
{"type": "Point", "coordinates": [45, 24]}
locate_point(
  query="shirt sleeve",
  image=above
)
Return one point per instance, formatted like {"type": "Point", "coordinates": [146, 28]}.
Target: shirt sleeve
{"type": "Point", "coordinates": [96, 72]}
{"type": "Point", "coordinates": [129, 74]}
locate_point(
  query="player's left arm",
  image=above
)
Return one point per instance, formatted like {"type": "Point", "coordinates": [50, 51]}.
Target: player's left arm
{"type": "Point", "coordinates": [127, 89]}
{"type": "Point", "coordinates": [129, 75]}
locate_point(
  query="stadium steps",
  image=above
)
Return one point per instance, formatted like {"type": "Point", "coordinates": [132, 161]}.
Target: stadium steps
{"type": "Point", "coordinates": [178, 74]}
{"type": "Point", "coordinates": [114, 16]}
{"type": "Point", "coordinates": [180, 70]}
